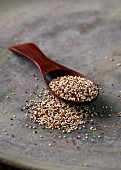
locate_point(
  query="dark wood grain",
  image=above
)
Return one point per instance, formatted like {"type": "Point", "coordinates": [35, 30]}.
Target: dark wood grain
{"type": "Point", "coordinates": [49, 69]}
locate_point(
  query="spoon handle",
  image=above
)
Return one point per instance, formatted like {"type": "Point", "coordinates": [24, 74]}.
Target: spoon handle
{"type": "Point", "coordinates": [31, 51]}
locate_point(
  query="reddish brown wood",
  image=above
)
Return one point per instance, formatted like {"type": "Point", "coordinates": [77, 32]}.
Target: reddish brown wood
{"type": "Point", "coordinates": [32, 52]}
{"type": "Point", "coordinates": [49, 68]}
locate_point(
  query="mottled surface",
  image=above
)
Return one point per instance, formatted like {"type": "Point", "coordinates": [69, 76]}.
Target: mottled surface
{"type": "Point", "coordinates": [78, 34]}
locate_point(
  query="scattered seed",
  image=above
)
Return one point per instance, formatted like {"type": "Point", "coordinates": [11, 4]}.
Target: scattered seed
{"type": "Point", "coordinates": [37, 85]}
{"type": "Point", "coordinates": [86, 137]}
{"type": "Point", "coordinates": [92, 140]}
{"type": "Point", "coordinates": [94, 129]}
{"type": "Point", "coordinates": [34, 131]}
{"type": "Point", "coordinates": [113, 124]}
{"type": "Point", "coordinates": [106, 57]}
{"type": "Point", "coordinates": [119, 114]}
{"type": "Point", "coordinates": [7, 97]}
{"type": "Point", "coordinates": [119, 64]}
{"type": "Point", "coordinates": [34, 127]}
{"type": "Point", "coordinates": [54, 136]}
{"type": "Point", "coordinates": [24, 108]}
{"type": "Point", "coordinates": [111, 59]}
{"type": "Point", "coordinates": [86, 164]}
{"type": "Point", "coordinates": [78, 137]}
{"type": "Point", "coordinates": [50, 144]}
{"type": "Point", "coordinates": [5, 133]}
{"type": "Point", "coordinates": [91, 128]}
{"type": "Point", "coordinates": [65, 136]}
{"type": "Point", "coordinates": [99, 136]}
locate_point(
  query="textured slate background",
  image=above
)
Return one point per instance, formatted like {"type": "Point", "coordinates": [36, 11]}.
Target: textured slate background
{"type": "Point", "coordinates": [78, 34]}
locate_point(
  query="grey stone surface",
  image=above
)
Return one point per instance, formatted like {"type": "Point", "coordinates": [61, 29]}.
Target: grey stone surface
{"type": "Point", "coordinates": [78, 34]}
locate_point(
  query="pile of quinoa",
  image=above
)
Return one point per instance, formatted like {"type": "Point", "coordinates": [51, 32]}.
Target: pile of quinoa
{"type": "Point", "coordinates": [56, 114]}
{"type": "Point", "coordinates": [74, 88]}
{"type": "Point", "coordinates": [53, 113]}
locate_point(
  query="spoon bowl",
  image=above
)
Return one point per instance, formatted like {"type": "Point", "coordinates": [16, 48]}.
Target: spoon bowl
{"type": "Point", "coordinates": [50, 70]}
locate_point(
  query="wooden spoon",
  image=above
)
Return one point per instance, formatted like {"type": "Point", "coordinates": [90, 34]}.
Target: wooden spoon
{"type": "Point", "coordinates": [49, 69]}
